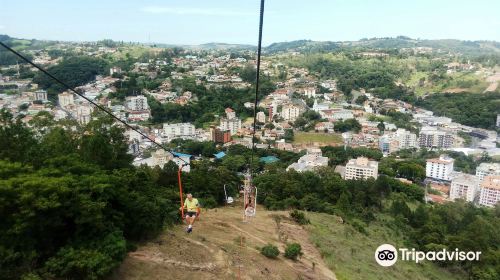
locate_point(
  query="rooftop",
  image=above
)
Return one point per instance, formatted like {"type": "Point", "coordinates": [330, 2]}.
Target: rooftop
{"type": "Point", "coordinates": [491, 182]}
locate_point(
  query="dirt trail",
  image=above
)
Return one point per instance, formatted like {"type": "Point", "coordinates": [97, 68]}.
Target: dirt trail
{"type": "Point", "coordinates": [222, 246]}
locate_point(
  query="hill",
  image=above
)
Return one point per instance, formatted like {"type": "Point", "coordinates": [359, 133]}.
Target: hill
{"type": "Point", "coordinates": [336, 248]}
{"type": "Point", "coordinates": [446, 45]}
{"type": "Point", "coordinates": [221, 242]}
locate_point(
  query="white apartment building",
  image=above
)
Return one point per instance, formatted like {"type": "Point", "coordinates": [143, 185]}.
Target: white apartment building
{"type": "Point", "coordinates": [401, 139]}
{"type": "Point", "coordinates": [233, 125]}
{"type": "Point", "coordinates": [361, 168]}
{"type": "Point", "coordinates": [310, 92]}
{"type": "Point", "coordinates": [486, 169]}
{"type": "Point", "coordinates": [308, 162]}
{"type": "Point", "coordinates": [39, 95]}
{"type": "Point", "coordinates": [439, 168]}
{"type": "Point", "coordinates": [431, 137]}
{"type": "Point", "coordinates": [261, 117]}
{"type": "Point", "coordinates": [405, 138]}
{"type": "Point", "coordinates": [290, 112]}
{"type": "Point", "coordinates": [161, 157]}
{"type": "Point", "coordinates": [83, 114]}
{"type": "Point", "coordinates": [138, 103]}
{"type": "Point", "coordinates": [178, 130]}
{"type": "Point", "coordinates": [66, 99]}
{"type": "Point", "coordinates": [464, 186]}
{"type": "Point", "coordinates": [490, 191]}
{"type": "Point", "coordinates": [230, 113]}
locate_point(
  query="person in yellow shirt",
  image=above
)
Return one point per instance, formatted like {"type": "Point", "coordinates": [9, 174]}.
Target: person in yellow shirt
{"type": "Point", "coordinates": [193, 209]}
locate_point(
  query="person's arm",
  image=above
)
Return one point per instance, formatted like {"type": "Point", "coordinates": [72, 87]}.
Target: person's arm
{"type": "Point", "coordinates": [198, 208]}
{"type": "Point", "coordinates": [183, 205]}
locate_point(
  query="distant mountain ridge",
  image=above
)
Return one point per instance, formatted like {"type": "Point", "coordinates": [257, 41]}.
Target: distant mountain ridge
{"type": "Point", "coordinates": [478, 47]}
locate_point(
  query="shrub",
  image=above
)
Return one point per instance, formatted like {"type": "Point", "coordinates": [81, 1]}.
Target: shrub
{"type": "Point", "coordinates": [293, 251]}
{"type": "Point", "coordinates": [299, 217]}
{"type": "Point", "coordinates": [270, 251]}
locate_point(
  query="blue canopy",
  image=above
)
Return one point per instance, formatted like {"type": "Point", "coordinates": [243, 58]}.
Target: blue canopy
{"type": "Point", "coordinates": [269, 159]}
{"type": "Point", "coordinates": [220, 155]}
{"type": "Point", "coordinates": [182, 155]}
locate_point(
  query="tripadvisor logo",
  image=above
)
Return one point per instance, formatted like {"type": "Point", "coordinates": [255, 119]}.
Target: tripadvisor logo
{"type": "Point", "coordinates": [387, 255]}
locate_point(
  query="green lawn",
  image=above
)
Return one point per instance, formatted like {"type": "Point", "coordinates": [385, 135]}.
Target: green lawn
{"type": "Point", "coordinates": [350, 254]}
{"type": "Point", "coordinates": [320, 137]}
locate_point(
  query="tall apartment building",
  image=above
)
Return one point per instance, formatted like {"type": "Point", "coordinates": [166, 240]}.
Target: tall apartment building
{"type": "Point", "coordinates": [233, 125]}
{"type": "Point", "coordinates": [83, 114]}
{"type": "Point", "coordinates": [66, 99]}
{"type": "Point", "coordinates": [310, 92]}
{"type": "Point", "coordinates": [230, 113]}
{"type": "Point", "coordinates": [361, 168]}
{"type": "Point", "coordinates": [405, 138]}
{"type": "Point", "coordinates": [464, 186]}
{"type": "Point", "coordinates": [401, 139]}
{"type": "Point", "coordinates": [439, 168]}
{"type": "Point", "coordinates": [220, 136]}
{"type": "Point", "coordinates": [138, 103]}
{"type": "Point", "coordinates": [431, 137]}
{"type": "Point", "coordinates": [178, 130]}
{"type": "Point", "coordinates": [290, 112]}
{"type": "Point", "coordinates": [261, 117]}
{"type": "Point", "coordinates": [39, 95]}
{"type": "Point", "coordinates": [388, 144]}
{"type": "Point", "coordinates": [485, 169]}
{"type": "Point", "coordinates": [490, 191]}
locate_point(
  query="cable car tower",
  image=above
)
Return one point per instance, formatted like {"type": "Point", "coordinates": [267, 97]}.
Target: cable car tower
{"type": "Point", "coordinates": [249, 198]}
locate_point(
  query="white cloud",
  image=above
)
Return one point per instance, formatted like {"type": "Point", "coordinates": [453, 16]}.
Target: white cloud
{"type": "Point", "coordinates": [194, 11]}
{"type": "Point", "coordinates": [2, 26]}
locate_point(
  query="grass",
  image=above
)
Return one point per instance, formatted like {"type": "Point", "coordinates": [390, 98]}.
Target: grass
{"type": "Point", "coordinates": [134, 51]}
{"type": "Point", "coordinates": [459, 81]}
{"type": "Point", "coordinates": [317, 137]}
{"type": "Point", "coordinates": [350, 254]}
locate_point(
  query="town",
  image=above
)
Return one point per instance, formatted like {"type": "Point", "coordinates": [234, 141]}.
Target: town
{"type": "Point", "coordinates": [301, 113]}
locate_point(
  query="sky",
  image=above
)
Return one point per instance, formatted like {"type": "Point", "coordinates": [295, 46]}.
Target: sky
{"type": "Point", "coordinates": [236, 21]}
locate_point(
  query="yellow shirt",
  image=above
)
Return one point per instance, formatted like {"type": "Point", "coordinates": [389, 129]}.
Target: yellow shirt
{"type": "Point", "coordinates": [192, 206]}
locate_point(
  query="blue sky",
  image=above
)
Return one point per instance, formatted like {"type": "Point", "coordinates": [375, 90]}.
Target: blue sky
{"type": "Point", "coordinates": [236, 21]}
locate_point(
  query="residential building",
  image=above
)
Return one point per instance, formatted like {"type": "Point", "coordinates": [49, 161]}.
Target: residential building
{"type": "Point", "coordinates": [308, 162]}
{"type": "Point", "coordinates": [178, 130]}
{"type": "Point", "coordinates": [290, 112]}
{"type": "Point", "coordinates": [138, 103]}
{"type": "Point", "coordinates": [261, 117]}
{"type": "Point", "coordinates": [161, 157]}
{"type": "Point", "coordinates": [361, 168]}
{"type": "Point", "coordinates": [233, 125]}
{"type": "Point", "coordinates": [83, 114]}
{"type": "Point", "coordinates": [310, 92]}
{"type": "Point", "coordinates": [230, 113]}
{"type": "Point", "coordinates": [66, 99]}
{"type": "Point", "coordinates": [406, 139]}
{"type": "Point", "coordinates": [39, 95]}
{"type": "Point", "coordinates": [387, 144]}
{"type": "Point", "coordinates": [220, 136]}
{"type": "Point", "coordinates": [431, 137]}
{"type": "Point", "coordinates": [464, 186]}
{"type": "Point", "coordinates": [114, 70]}
{"type": "Point", "coordinates": [486, 169]}
{"type": "Point", "coordinates": [490, 191]}
{"type": "Point", "coordinates": [439, 168]}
